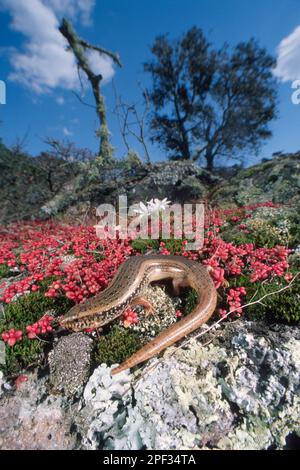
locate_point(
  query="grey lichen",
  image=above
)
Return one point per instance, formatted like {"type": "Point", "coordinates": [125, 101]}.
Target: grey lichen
{"type": "Point", "coordinates": [241, 391]}
{"type": "Point", "coordinates": [70, 362]}
{"type": "Point", "coordinates": [1, 382]}
{"type": "Point", "coordinates": [101, 399]}
{"type": "Point", "coordinates": [31, 419]}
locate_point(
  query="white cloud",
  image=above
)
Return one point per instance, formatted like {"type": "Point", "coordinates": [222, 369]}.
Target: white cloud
{"type": "Point", "coordinates": [288, 61]}
{"type": "Point", "coordinates": [67, 132]}
{"type": "Point", "coordinates": [60, 100]}
{"type": "Point", "coordinates": [73, 8]}
{"type": "Point", "coordinates": [101, 64]}
{"type": "Point", "coordinates": [44, 63]}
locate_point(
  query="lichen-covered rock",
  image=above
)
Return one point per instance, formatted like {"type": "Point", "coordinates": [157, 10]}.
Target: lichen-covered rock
{"type": "Point", "coordinates": [1, 382]}
{"type": "Point", "coordinates": [241, 391]}
{"type": "Point", "coordinates": [101, 399]}
{"type": "Point", "coordinates": [180, 181]}
{"type": "Point", "coordinates": [31, 419]}
{"type": "Point", "coordinates": [276, 180]}
{"type": "Point", "coordinates": [2, 353]}
{"type": "Point", "coordinates": [70, 362]}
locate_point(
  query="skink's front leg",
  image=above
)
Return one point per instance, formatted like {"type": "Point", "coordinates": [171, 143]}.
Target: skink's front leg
{"type": "Point", "coordinates": [149, 309]}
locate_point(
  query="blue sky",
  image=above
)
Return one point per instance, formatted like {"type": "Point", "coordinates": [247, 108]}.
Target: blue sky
{"type": "Point", "coordinates": [41, 105]}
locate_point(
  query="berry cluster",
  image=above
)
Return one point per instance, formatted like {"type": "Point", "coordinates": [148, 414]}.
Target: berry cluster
{"type": "Point", "coordinates": [42, 326]}
{"type": "Point", "coordinates": [12, 336]}
{"type": "Point", "coordinates": [129, 318]}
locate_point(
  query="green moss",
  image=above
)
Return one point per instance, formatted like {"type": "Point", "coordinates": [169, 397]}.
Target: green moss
{"type": "Point", "coordinates": [116, 346]}
{"type": "Point", "coordinates": [26, 310]}
{"type": "Point", "coordinates": [4, 271]}
{"type": "Point", "coordinates": [142, 245]}
{"type": "Point", "coordinates": [23, 355]}
{"type": "Point", "coordinates": [30, 308]}
{"type": "Point", "coordinates": [237, 237]}
{"type": "Point", "coordinates": [191, 301]}
{"type": "Point", "coordinates": [283, 307]}
{"type": "Point", "coordinates": [173, 245]}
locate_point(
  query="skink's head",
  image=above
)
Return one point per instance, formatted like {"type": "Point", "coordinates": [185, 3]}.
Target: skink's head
{"type": "Point", "coordinates": [83, 316]}
{"type": "Point", "coordinates": [75, 324]}
{"type": "Point", "coordinates": [79, 318]}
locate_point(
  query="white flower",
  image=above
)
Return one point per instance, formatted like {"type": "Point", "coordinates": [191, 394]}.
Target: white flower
{"type": "Point", "coordinates": [152, 206]}
{"type": "Point", "coordinates": [140, 209]}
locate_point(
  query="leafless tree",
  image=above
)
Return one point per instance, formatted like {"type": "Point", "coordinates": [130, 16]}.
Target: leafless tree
{"type": "Point", "coordinates": [80, 48]}
{"type": "Point", "coordinates": [67, 151]}
{"type": "Point", "coordinates": [19, 145]}
{"type": "Point", "coordinates": [132, 122]}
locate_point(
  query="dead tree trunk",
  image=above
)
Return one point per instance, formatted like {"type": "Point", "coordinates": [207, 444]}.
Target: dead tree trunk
{"type": "Point", "coordinates": [79, 48]}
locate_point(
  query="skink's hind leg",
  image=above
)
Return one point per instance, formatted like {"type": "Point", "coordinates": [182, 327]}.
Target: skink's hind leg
{"type": "Point", "coordinates": [149, 309]}
{"type": "Point", "coordinates": [178, 283]}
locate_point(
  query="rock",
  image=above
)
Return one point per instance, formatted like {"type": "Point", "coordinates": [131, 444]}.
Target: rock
{"type": "Point", "coordinates": [1, 382]}
{"type": "Point", "coordinates": [70, 362]}
{"type": "Point", "coordinates": [102, 397]}
{"type": "Point", "coordinates": [180, 181]}
{"type": "Point", "coordinates": [241, 391]}
{"type": "Point", "coordinates": [30, 419]}
{"type": "Point", "coordinates": [276, 180]}
{"type": "Point", "coordinates": [80, 188]}
{"type": "Point", "coordinates": [2, 353]}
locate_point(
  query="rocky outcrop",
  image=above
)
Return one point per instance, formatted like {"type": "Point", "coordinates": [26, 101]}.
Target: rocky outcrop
{"type": "Point", "coordinates": [32, 419]}
{"type": "Point", "coordinates": [179, 181]}
{"type": "Point", "coordinates": [276, 180]}
{"type": "Point", "coordinates": [239, 389]}
{"type": "Point", "coordinates": [32, 188]}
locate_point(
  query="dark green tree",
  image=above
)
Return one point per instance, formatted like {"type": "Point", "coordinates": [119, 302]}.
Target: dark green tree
{"type": "Point", "coordinates": [210, 103]}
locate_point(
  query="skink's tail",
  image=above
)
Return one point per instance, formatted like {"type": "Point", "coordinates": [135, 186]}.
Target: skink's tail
{"type": "Point", "coordinates": [200, 315]}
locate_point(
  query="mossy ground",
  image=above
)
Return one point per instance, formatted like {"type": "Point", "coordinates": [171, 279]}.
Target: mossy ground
{"type": "Point", "coordinates": [4, 271]}
{"type": "Point", "coordinates": [116, 346]}
{"type": "Point", "coordinates": [279, 307]}
{"type": "Point", "coordinates": [283, 307]}
{"type": "Point", "coordinates": [142, 245]}
{"type": "Point", "coordinates": [24, 311]}
{"type": "Point", "coordinates": [266, 228]}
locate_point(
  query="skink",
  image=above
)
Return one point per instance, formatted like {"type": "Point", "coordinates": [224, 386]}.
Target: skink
{"type": "Point", "coordinates": [126, 289]}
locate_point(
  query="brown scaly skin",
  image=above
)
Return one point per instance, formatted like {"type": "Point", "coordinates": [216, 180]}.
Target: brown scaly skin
{"type": "Point", "coordinates": [127, 288]}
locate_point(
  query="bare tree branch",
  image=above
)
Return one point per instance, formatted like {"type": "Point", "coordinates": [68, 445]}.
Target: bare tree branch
{"type": "Point", "coordinates": [79, 47]}
{"type": "Point", "coordinates": [101, 50]}
{"type": "Point", "coordinates": [135, 128]}
{"type": "Point", "coordinates": [83, 102]}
